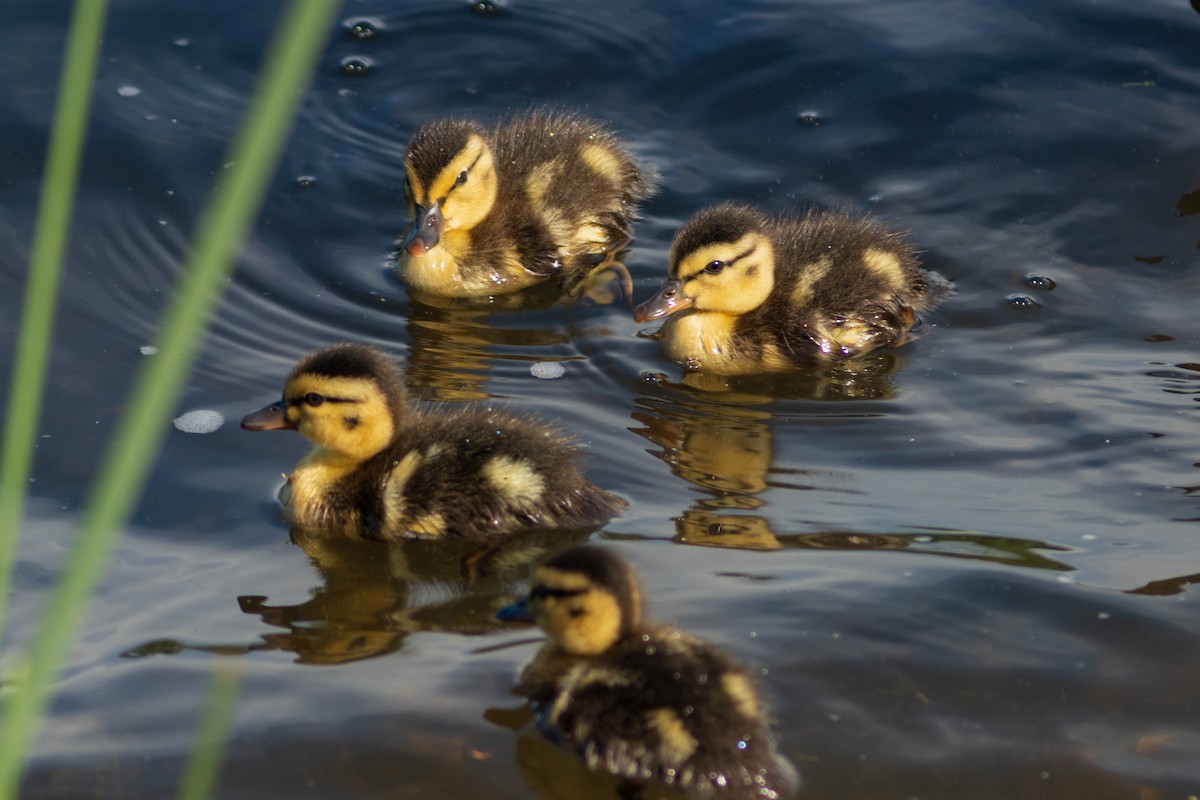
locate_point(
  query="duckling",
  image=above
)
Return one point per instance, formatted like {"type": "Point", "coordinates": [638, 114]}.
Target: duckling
{"type": "Point", "coordinates": [383, 470]}
{"type": "Point", "coordinates": [495, 210]}
{"type": "Point", "coordinates": [766, 293]}
{"type": "Point", "coordinates": [649, 705]}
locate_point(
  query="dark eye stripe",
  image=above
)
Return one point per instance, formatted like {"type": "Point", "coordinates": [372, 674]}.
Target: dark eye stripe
{"type": "Point", "coordinates": [301, 400]}
{"type": "Point", "coordinates": [456, 183]}
{"type": "Point", "coordinates": [729, 262]}
{"type": "Point", "coordinates": [541, 592]}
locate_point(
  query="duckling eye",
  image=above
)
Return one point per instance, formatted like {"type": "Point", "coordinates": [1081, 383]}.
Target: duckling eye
{"type": "Point", "coordinates": [714, 267]}
{"type": "Point", "coordinates": [313, 399]}
{"type": "Point", "coordinates": [461, 179]}
{"type": "Point", "coordinates": [575, 612]}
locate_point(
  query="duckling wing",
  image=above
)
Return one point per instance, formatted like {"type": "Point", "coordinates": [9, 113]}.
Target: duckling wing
{"type": "Point", "coordinates": [861, 331]}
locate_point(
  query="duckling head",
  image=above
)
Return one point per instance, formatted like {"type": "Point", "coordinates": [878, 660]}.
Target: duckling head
{"type": "Point", "coordinates": [722, 260]}
{"type": "Point", "coordinates": [586, 600]}
{"type": "Point", "coordinates": [451, 182]}
{"type": "Point", "coordinates": [346, 398]}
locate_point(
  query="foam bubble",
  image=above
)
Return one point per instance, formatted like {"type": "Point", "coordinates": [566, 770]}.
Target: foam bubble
{"type": "Point", "coordinates": [199, 421]}
{"type": "Point", "coordinates": [547, 370]}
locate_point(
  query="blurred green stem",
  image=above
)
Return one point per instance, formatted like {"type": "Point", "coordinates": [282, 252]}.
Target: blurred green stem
{"type": "Point", "coordinates": [200, 773]}
{"type": "Point", "coordinates": [59, 184]}
{"type": "Point", "coordinates": [123, 471]}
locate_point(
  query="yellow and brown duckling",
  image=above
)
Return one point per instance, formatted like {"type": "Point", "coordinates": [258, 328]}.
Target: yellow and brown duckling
{"type": "Point", "coordinates": [649, 705]}
{"type": "Point", "coordinates": [384, 470]}
{"type": "Point", "coordinates": [750, 292]}
{"type": "Point", "coordinates": [495, 210]}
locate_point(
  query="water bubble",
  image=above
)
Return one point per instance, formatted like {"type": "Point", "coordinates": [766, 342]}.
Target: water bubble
{"type": "Point", "coordinates": [547, 370]}
{"type": "Point", "coordinates": [809, 117]}
{"type": "Point", "coordinates": [356, 65]}
{"type": "Point", "coordinates": [200, 421]}
{"type": "Point", "coordinates": [305, 181]}
{"type": "Point", "coordinates": [1034, 281]}
{"type": "Point", "coordinates": [1023, 301]}
{"type": "Point", "coordinates": [148, 350]}
{"type": "Point", "coordinates": [182, 41]}
{"type": "Point", "coordinates": [487, 8]}
{"type": "Point", "coordinates": [128, 91]}
{"type": "Point", "coordinates": [365, 28]}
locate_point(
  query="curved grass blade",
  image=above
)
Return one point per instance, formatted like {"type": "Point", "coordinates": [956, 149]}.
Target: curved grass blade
{"type": "Point", "coordinates": [200, 772]}
{"type": "Point", "coordinates": [50, 235]}
{"type": "Point", "coordinates": [123, 471]}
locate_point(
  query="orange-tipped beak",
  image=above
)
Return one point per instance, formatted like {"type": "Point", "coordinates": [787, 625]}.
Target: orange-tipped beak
{"type": "Point", "coordinates": [669, 299]}
{"type": "Point", "coordinates": [426, 231]}
{"type": "Point", "coordinates": [269, 418]}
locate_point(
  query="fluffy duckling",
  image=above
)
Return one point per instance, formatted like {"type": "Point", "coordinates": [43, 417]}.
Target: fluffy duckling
{"type": "Point", "coordinates": [386, 471]}
{"type": "Point", "coordinates": [765, 293]}
{"type": "Point", "coordinates": [495, 210]}
{"type": "Point", "coordinates": [644, 704]}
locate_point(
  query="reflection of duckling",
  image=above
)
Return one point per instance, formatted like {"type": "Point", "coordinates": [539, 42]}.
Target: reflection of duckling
{"type": "Point", "coordinates": [645, 704]}
{"type": "Point", "coordinates": [497, 210]}
{"type": "Point", "coordinates": [769, 293]}
{"type": "Point", "coordinates": [387, 472]}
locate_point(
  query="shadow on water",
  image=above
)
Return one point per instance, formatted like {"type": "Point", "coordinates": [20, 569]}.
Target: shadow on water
{"type": "Point", "coordinates": [726, 452]}
{"type": "Point", "coordinates": [452, 342]}
{"type": "Point", "coordinates": [374, 595]}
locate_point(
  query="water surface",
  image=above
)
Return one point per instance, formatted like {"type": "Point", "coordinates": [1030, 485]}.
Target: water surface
{"type": "Point", "coordinates": [966, 567]}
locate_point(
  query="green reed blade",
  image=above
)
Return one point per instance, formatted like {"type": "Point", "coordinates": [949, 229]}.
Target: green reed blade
{"type": "Point", "coordinates": [122, 473]}
{"type": "Point", "coordinates": [200, 772]}
{"type": "Point", "coordinates": [50, 235]}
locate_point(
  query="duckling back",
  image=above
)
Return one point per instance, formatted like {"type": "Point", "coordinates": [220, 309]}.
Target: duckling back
{"type": "Point", "coordinates": [481, 471]}
{"type": "Point", "coordinates": [848, 283]}
{"type": "Point", "coordinates": [558, 192]}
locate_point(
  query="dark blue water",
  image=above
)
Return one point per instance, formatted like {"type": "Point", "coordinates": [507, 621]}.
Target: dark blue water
{"type": "Point", "coordinates": [966, 566]}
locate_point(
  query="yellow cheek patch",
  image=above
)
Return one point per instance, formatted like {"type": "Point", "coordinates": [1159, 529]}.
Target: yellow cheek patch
{"type": "Point", "coordinates": [514, 479]}
{"type": "Point", "coordinates": [583, 625]}
{"type": "Point", "coordinates": [677, 745]}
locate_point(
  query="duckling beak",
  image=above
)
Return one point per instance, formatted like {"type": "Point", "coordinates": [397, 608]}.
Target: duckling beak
{"type": "Point", "coordinates": [426, 230]}
{"type": "Point", "coordinates": [669, 299]}
{"type": "Point", "coordinates": [516, 612]}
{"type": "Point", "coordinates": [269, 418]}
